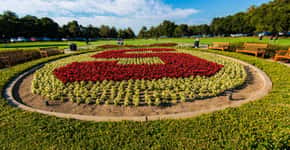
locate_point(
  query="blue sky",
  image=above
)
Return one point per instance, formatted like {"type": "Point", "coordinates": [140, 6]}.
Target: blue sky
{"type": "Point", "coordinates": [133, 13]}
{"type": "Point", "coordinates": [208, 9]}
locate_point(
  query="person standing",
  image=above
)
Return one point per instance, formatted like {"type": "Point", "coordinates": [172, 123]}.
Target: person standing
{"type": "Point", "coordinates": [261, 36]}
{"type": "Point", "coordinates": [196, 43]}
{"type": "Point", "coordinates": [87, 41]}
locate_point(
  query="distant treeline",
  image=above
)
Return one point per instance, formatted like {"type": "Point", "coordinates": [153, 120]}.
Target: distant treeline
{"type": "Point", "coordinates": [30, 26]}
{"type": "Point", "coordinates": [272, 17]}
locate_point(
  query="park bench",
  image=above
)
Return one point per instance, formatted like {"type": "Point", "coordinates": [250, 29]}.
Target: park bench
{"type": "Point", "coordinates": [9, 58]}
{"type": "Point", "coordinates": [282, 54]}
{"type": "Point", "coordinates": [254, 48]}
{"type": "Point", "coordinates": [50, 51]}
{"type": "Point", "coordinates": [220, 45]}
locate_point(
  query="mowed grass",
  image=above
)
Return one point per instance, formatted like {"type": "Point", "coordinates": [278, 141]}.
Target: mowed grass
{"type": "Point", "coordinates": [261, 124]}
{"type": "Point", "coordinates": [65, 44]}
{"type": "Point", "coordinates": [36, 45]}
{"type": "Point", "coordinates": [280, 41]}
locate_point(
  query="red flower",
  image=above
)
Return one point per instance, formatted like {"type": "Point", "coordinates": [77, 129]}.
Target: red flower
{"type": "Point", "coordinates": [176, 65]}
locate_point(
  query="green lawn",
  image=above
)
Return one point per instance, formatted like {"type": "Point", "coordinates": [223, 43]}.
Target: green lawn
{"type": "Point", "coordinates": [281, 41]}
{"type": "Point", "coordinates": [35, 45]}
{"type": "Point", "coordinates": [64, 44]}
{"type": "Point", "coordinates": [262, 124]}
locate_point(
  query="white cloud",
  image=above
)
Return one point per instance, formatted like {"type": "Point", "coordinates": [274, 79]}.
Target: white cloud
{"type": "Point", "coordinates": [119, 13]}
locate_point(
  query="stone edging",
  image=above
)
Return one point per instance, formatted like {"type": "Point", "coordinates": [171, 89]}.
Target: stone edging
{"type": "Point", "coordinates": [8, 94]}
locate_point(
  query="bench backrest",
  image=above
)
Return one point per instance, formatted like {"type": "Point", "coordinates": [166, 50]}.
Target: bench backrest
{"type": "Point", "coordinates": [222, 44]}
{"type": "Point", "coordinates": [49, 51]}
{"type": "Point", "coordinates": [288, 52]}
{"type": "Point", "coordinates": [14, 56]}
{"type": "Point", "coordinates": [48, 48]}
{"type": "Point", "coordinates": [10, 53]}
{"type": "Point", "coordinates": [255, 46]}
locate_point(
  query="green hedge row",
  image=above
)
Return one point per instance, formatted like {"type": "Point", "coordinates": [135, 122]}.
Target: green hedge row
{"type": "Point", "coordinates": [262, 124]}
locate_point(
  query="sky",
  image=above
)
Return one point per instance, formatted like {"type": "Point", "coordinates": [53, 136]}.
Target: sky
{"type": "Point", "coordinates": [129, 13]}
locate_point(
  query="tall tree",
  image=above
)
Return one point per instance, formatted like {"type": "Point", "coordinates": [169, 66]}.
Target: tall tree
{"type": "Point", "coordinates": [113, 33]}
{"type": "Point", "coordinates": [181, 30]}
{"type": "Point", "coordinates": [74, 29]}
{"type": "Point", "coordinates": [48, 28]}
{"type": "Point", "coordinates": [167, 28]}
{"type": "Point", "coordinates": [130, 33]}
{"type": "Point", "coordinates": [9, 22]}
{"type": "Point", "coordinates": [143, 32]}
{"type": "Point", "coordinates": [105, 31]}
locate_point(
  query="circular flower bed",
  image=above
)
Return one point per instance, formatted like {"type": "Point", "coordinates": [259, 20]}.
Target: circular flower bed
{"type": "Point", "coordinates": [138, 77]}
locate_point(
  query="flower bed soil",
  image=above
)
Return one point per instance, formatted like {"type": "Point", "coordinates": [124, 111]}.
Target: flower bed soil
{"type": "Point", "coordinates": [253, 82]}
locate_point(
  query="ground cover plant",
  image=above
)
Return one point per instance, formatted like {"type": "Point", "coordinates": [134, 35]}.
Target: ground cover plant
{"type": "Point", "coordinates": [262, 124]}
{"type": "Point", "coordinates": [210, 76]}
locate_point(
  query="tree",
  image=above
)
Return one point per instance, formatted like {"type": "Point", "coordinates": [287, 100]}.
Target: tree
{"type": "Point", "coordinates": [143, 32]}
{"type": "Point", "coordinates": [181, 30]}
{"type": "Point", "coordinates": [273, 17]}
{"type": "Point", "coordinates": [9, 22]}
{"type": "Point", "coordinates": [122, 34]}
{"type": "Point", "coordinates": [92, 32]}
{"type": "Point", "coordinates": [113, 33]}
{"type": "Point", "coordinates": [167, 28]}
{"type": "Point", "coordinates": [105, 31]}
{"type": "Point", "coordinates": [154, 32]}
{"type": "Point", "coordinates": [130, 33]}
{"type": "Point", "coordinates": [48, 28]}
{"type": "Point", "coordinates": [74, 29]}
{"type": "Point", "coordinates": [29, 26]}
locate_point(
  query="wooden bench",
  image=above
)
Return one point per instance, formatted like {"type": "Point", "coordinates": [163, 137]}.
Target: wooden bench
{"type": "Point", "coordinates": [4, 62]}
{"type": "Point", "coordinates": [220, 45]}
{"type": "Point", "coordinates": [9, 58]}
{"type": "Point", "coordinates": [254, 48]}
{"type": "Point", "coordinates": [282, 54]}
{"type": "Point", "coordinates": [50, 51]}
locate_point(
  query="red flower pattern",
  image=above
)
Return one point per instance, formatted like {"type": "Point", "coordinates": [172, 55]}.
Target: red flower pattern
{"type": "Point", "coordinates": [175, 65]}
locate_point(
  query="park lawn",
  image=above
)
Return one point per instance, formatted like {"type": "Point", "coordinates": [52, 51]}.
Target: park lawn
{"type": "Point", "coordinates": [262, 124]}
{"type": "Point", "coordinates": [64, 44]}
{"type": "Point", "coordinates": [36, 45]}
{"type": "Point", "coordinates": [281, 41]}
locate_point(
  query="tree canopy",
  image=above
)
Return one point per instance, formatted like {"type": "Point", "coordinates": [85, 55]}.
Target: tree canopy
{"type": "Point", "coordinates": [272, 17]}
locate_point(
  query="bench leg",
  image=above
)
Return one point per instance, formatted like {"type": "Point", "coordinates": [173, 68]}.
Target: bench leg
{"type": "Point", "coordinates": [263, 55]}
